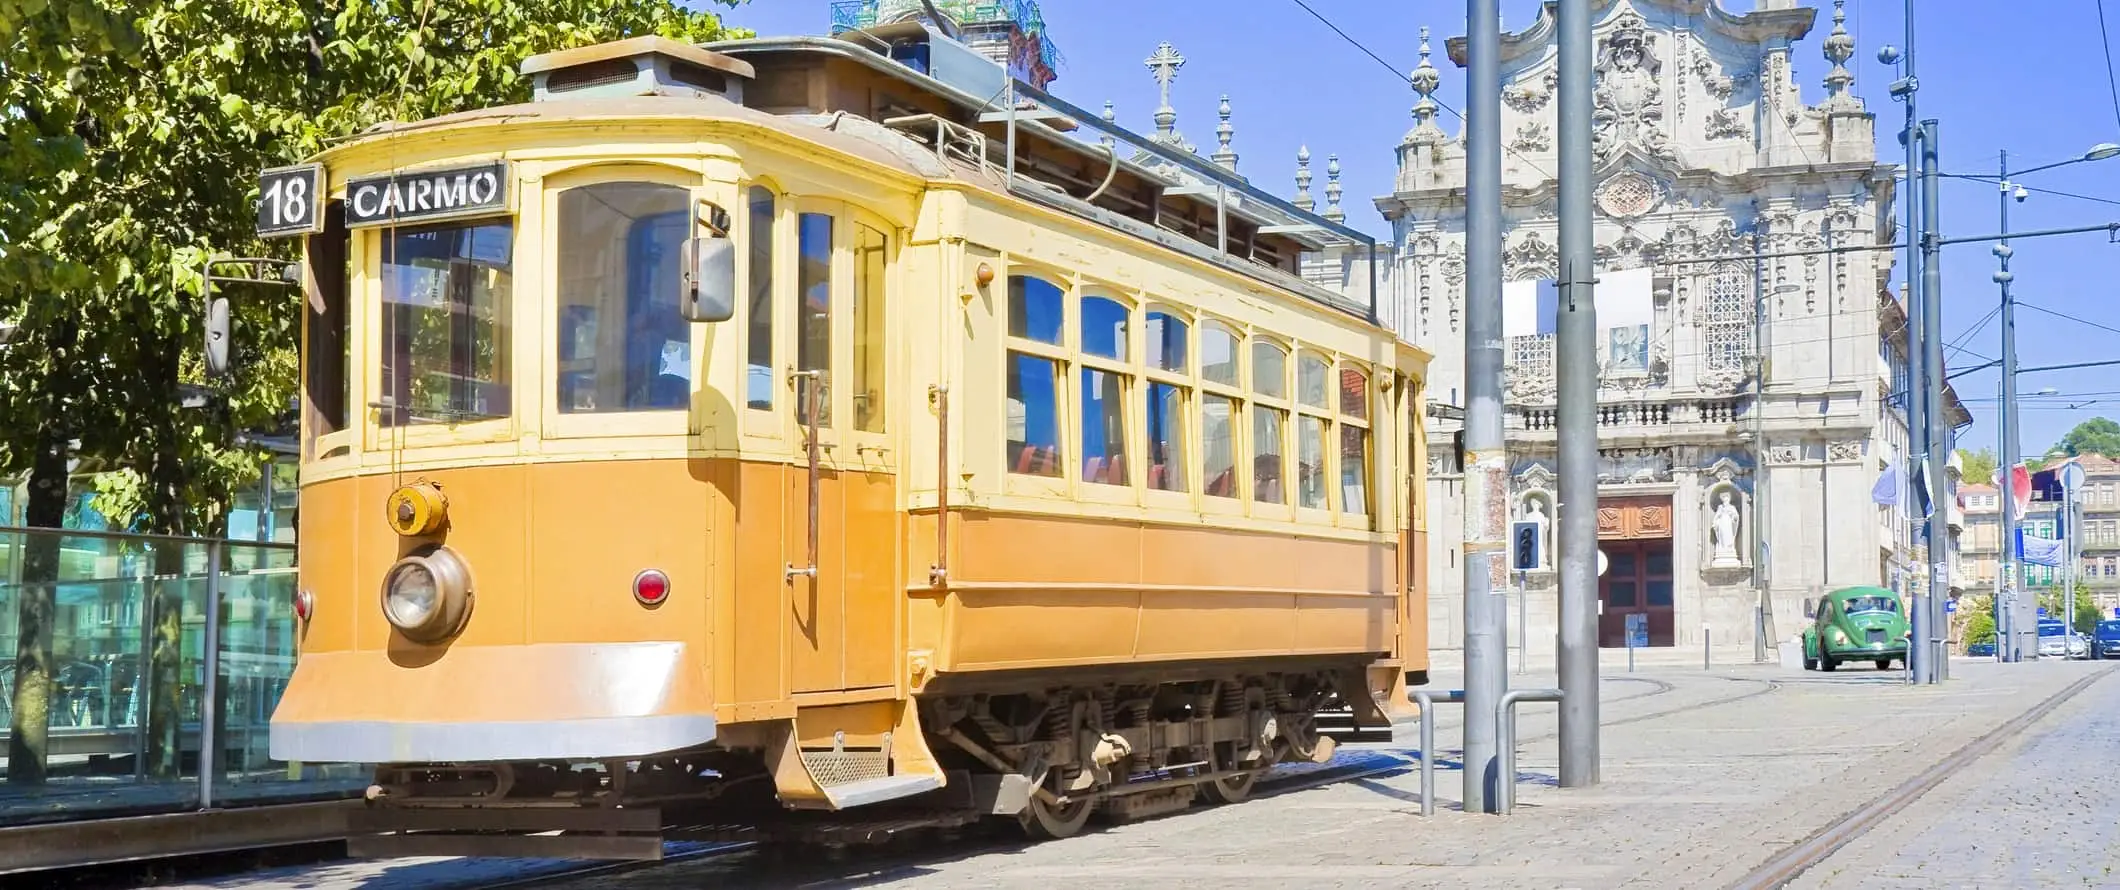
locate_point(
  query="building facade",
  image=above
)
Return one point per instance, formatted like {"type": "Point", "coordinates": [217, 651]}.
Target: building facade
{"type": "Point", "coordinates": [2097, 542]}
{"type": "Point", "coordinates": [1746, 409]}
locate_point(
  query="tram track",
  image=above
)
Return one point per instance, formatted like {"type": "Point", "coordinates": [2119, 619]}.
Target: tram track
{"type": "Point", "coordinates": [1820, 845]}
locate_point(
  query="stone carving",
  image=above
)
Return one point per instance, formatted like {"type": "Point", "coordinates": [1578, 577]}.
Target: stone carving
{"type": "Point", "coordinates": [1532, 136]}
{"type": "Point", "coordinates": [1629, 104]}
{"type": "Point", "coordinates": [1845, 450]}
{"type": "Point", "coordinates": [1784, 453]}
{"type": "Point", "coordinates": [1532, 251]}
{"type": "Point", "coordinates": [1628, 195]}
{"type": "Point", "coordinates": [1532, 96]}
{"type": "Point", "coordinates": [1633, 465]}
{"type": "Point", "coordinates": [1724, 123]}
{"type": "Point", "coordinates": [1608, 521]}
{"type": "Point", "coordinates": [1654, 520]}
{"type": "Point", "coordinates": [1724, 527]}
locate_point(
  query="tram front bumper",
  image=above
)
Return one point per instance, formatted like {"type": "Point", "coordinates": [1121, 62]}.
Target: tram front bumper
{"type": "Point", "coordinates": [551, 701]}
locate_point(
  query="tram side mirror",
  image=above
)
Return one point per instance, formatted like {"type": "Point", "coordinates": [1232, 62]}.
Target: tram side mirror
{"type": "Point", "coordinates": [216, 335]}
{"type": "Point", "coordinates": [709, 262]}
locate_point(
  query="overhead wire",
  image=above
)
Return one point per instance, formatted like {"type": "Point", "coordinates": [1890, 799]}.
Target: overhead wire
{"type": "Point", "coordinates": [2111, 81]}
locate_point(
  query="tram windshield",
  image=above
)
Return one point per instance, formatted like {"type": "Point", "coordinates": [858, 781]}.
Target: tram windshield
{"type": "Point", "coordinates": [445, 338]}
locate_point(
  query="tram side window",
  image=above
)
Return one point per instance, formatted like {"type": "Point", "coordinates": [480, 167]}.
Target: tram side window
{"type": "Point", "coordinates": [328, 348]}
{"type": "Point", "coordinates": [446, 331]}
{"type": "Point", "coordinates": [813, 314]}
{"type": "Point", "coordinates": [870, 251]}
{"type": "Point", "coordinates": [623, 344]}
{"type": "Point", "coordinates": [758, 378]}
{"type": "Point", "coordinates": [1221, 411]}
{"type": "Point", "coordinates": [1168, 395]}
{"type": "Point", "coordinates": [1104, 388]}
{"type": "Point", "coordinates": [1354, 441]}
{"type": "Point", "coordinates": [1269, 381]}
{"type": "Point", "coordinates": [1313, 426]}
{"type": "Point", "coordinates": [1035, 310]}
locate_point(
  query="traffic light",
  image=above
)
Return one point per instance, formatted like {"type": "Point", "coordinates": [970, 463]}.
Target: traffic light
{"type": "Point", "coordinates": [1526, 546]}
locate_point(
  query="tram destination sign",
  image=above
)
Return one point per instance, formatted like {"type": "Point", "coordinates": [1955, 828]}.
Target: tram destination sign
{"type": "Point", "coordinates": [429, 195]}
{"type": "Point", "coordinates": [287, 201]}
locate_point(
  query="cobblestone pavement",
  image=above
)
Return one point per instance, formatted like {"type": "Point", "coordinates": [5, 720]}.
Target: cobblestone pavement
{"type": "Point", "coordinates": [2043, 810]}
{"type": "Point", "coordinates": [1705, 775]}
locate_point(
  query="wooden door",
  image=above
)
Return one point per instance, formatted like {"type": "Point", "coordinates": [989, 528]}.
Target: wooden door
{"type": "Point", "coordinates": [1637, 581]}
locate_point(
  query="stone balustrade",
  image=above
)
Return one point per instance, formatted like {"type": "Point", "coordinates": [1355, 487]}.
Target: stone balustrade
{"type": "Point", "coordinates": [1642, 414]}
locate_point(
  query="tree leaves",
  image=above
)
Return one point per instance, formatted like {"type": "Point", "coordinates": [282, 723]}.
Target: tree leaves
{"type": "Point", "coordinates": [134, 131]}
{"type": "Point", "coordinates": [2098, 435]}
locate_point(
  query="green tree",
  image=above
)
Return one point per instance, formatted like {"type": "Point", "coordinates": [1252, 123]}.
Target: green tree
{"type": "Point", "coordinates": [2098, 435]}
{"type": "Point", "coordinates": [1979, 466]}
{"type": "Point", "coordinates": [2083, 617]}
{"type": "Point", "coordinates": [135, 130]}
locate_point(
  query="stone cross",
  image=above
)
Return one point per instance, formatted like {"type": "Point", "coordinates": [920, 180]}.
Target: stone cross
{"type": "Point", "coordinates": [1164, 64]}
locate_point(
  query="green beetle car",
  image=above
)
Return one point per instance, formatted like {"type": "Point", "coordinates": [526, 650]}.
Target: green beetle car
{"type": "Point", "coordinates": [1856, 624]}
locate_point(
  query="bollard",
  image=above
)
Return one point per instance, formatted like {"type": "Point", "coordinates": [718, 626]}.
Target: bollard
{"type": "Point", "coordinates": [1428, 701]}
{"type": "Point", "coordinates": [1505, 737]}
{"type": "Point", "coordinates": [1705, 645]}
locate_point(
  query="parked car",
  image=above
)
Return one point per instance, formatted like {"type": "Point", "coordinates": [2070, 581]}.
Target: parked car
{"type": "Point", "coordinates": [2053, 638]}
{"type": "Point", "coordinates": [2105, 640]}
{"type": "Point", "coordinates": [2079, 646]}
{"type": "Point", "coordinates": [1985, 648]}
{"type": "Point", "coordinates": [1856, 624]}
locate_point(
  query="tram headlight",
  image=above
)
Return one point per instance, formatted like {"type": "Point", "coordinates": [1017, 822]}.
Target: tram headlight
{"type": "Point", "coordinates": [427, 595]}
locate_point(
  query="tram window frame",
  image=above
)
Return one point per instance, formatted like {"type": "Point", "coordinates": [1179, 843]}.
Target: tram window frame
{"type": "Point", "coordinates": [1233, 393]}
{"type": "Point", "coordinates": [1124, 372]}
{"type": "Point", "coordinates": [760, 312]}
{"type": "Point", "coordinates": [546, 303]}
{"type": "Point", "coordinates": [1316, 416]}
{"type": "Point", "coordinates": [868, 322]}
{"type": "Point", "coordinates": [1346, 423]}
{"type": "Point", "coordinates": [834, 281]}
{"type": "Point", "coordinates": [331, 276]}
{"type": "Point", "coordinates": [1278, 411]}
{"type": "Point", "coordinates": [523, 291]}
{"type": "Point", "coordinates": [1057, 353]}
{"type": "Point", "coordinates": [1174, 486]}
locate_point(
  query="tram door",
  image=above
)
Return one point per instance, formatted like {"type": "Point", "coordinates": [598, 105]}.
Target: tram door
{"type": "Point", "coordinates": [843, 619]}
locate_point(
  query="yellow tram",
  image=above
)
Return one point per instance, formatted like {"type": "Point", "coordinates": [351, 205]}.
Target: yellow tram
{"type": "Point", "coordinates": [787, 425]}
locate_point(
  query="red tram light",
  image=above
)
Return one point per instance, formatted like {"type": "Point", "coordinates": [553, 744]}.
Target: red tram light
{"type": "Point", "coordinates": [651, 587]}
{"type": "Point", "coordinates": [304, 605]}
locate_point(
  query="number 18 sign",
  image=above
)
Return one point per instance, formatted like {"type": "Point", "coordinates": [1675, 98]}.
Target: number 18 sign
{"type": "Point", "coordinates": [288, 201]}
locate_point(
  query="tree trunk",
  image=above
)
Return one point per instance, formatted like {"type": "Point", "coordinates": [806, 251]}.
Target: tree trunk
{"type": "Point", "coordinates": [29, 722]}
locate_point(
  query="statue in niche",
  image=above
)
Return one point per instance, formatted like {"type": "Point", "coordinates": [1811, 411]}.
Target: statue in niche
{"type": "Point", "coordinates": [1725, 531]}
{"type": "Point", "coordinates": [1535, 512]}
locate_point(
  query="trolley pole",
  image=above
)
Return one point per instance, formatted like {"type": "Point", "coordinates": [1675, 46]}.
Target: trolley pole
{"type": "Point", "coordinates": [2006, 650]}
{"type": "Point", "coordinates": [1576, 367]}
{"type": "Point", "coordinates": [1938, 432]}
{"type": "Point", "coordinates": [1485, 460]}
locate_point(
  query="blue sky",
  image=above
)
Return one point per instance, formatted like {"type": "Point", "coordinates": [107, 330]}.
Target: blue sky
{"type": "Point", "coordinates": [2034, 85]}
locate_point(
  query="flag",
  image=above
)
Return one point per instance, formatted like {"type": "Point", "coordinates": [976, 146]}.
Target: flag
{"type": "Point", "coordinates": [2038, 551]}
{"type": "Point", "coordinates": [1920, 486]}
{"type": "Point", "coordinates": [2020, 487]}
{"type": "Point", "coordinates": [1886, 492]}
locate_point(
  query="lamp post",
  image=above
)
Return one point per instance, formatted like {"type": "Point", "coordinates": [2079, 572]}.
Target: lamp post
{"type": "Point", "coordinates": [2006, 192]}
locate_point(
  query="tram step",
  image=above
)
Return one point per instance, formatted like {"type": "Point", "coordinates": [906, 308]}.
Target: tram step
{"type": "Point", "coordinates": [1340, 727]}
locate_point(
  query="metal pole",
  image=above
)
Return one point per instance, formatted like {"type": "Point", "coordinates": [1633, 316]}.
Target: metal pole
{"type": "Point", "coordinates": [1576, 367]}
{"type": "Point", "coordinates": [1938, 434]}
{"type": "Point", "coordinates": [2009, 566]}
{"type": "Point", "coordinates": [210, 688]}
{"type": "Point", "coordinates": [1485, 460]}
{"type": "Point", "coordinates": [1917, 600]}
{"type": "Point", "coordinates": [1523, 623]}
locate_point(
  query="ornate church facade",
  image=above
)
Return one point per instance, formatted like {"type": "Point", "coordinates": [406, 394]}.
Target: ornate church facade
{"type": "Point", "coordinates": [1746, 408]}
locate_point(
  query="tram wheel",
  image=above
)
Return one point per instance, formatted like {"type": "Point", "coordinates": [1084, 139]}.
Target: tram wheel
{"type": "Point", "coordinates": [1229, 790]}
{"type": "Point", "coordinates": [1050, 822]}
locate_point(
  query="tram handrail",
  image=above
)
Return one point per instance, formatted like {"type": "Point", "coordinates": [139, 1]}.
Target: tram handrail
{"type": "Point", "coordinates": [1428, 700]}
{"type": "Point", "coordinates": [1505, 720]}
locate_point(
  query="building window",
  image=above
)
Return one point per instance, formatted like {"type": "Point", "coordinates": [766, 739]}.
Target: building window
{"type": "Point", "coordinates": [622, 344]}
{"type": "Point", "coordinates": [1726, 318]}
{"type": "Point", "coordinates": [1035, 309]}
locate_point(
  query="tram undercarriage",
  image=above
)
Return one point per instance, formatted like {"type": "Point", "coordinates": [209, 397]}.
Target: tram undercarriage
{"type": "Point", "coordinates": [1047, 759]}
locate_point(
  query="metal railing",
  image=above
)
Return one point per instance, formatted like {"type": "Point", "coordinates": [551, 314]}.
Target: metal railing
{"type": "Point", "coordinates": [166, 659]}
{"type": "Point", "coordinates": [1505, 726]}
{"type": "Point", "coordinates": [1428, 700]}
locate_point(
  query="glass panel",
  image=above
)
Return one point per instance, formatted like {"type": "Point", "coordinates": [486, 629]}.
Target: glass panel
{"type": "Point", "coordinates": [1269, 370]}
{"type": "Point", "coordinates": [758, 376]}
{"type": "Point", "coordinates": [445, 323]}
{"type": "Point", "coordinates": [1218, 354]}
{"type": "Point", "coordinates": [1033, 415]}
{"type": "Point", "coordinates": [1166, 341]}
{"type": "Point", "coordinates": [1660, 562]}
{"type": "Point", "coordinates": [1103, 328]}
{"type": "Point", "coordinates": [1166, 437]}
{"type": "Point", "coordinates": [1659, 592]}
{"type": "Point", "coordinates": [813, 313]}
{"type": "Point", "coordinates": [1218, 445]}
{"type": "Point", "coordinates": [1620, 593]}
{"type": "Point", "coordinates": [1620, 565]}
{"type": "Point", "coordinates": [622, 344]}
{"type": "Point", "coordinates": [1311, 372]}
{"type": "Point", "coordinates": [1354, 470]}
{"type": "Point", "coordinates": [1310, 462]}
{"type": "Point", "coordinates": [1103, 427]}
{"type": "Point", "coordinates": [1267, 465]}
{"type": "Point", "coordinates": [869, 337]}
{"type": "Point", "coordinates": [1354, 393]}
{"type": "Point", "coordinates": [1034, 309]}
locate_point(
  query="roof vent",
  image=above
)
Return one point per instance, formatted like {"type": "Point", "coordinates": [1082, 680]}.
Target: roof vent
{"type": "Point", "coordinates": [641, 66]}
